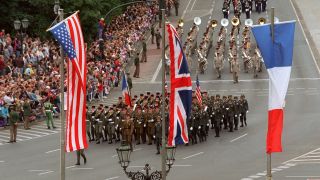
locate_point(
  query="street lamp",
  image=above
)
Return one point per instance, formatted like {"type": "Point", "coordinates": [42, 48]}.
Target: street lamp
{"type": "Point", "coordinates": [124, 153]}
{"type": "Point", "coordinates": [17, 26]}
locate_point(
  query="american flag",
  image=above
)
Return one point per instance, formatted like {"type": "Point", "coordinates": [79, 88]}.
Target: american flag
{"type": "Point", "coordinates": [69, 35]}
{"type": "Point", "coordinates": [181, 91]}
{"type": "Point", "coordinates": [125, 90]}
{"type": "Point", "coordinates": [198, 92]}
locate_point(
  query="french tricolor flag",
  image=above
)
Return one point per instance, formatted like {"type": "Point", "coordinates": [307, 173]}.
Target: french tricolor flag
{"type": "Point", "coordinates": [125, 91]}
{"type": "Point", "coordinates": [277, 55]}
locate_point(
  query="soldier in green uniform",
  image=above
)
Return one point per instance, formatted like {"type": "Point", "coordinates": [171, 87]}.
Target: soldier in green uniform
{"type": "Point", "coordinates": [88, 124]}
{"type": "Point", "coordinates": [127, 130]}
{"type": "Point", "coordinates": [176, 6]}
{"type": "Point", "coordinates": [224, 112]}
{"type": "Point", "coordinates": [158, 38]}
{"type": "Point", "coordinates": [99, 118]}
{"type": "Point", "coordinates": [230, 112]}
{"type": "Point", "coordinates": [217, 117]}
{"type": "Point", "coordinates": [92, 122]}
{"type": "Point", "coordinates": [150, 125]}
{"type": "Point", "coordinates": [48, 110]}
{"type": "Point", "coordinates": [203, 117]}
{"type": "Point", "coordinates": [111, 125]}
{"type": "Point", "coordinates": [138, 125]}
{"type": "Point", "coordinates": [26, 107]}
{"type": "Point", "coordinates": [158, 133]}
{"type": "Point", "coordinates": [13, 122]}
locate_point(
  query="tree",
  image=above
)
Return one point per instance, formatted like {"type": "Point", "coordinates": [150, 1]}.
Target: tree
{"type": "Point", "coordinates": [40, 14]}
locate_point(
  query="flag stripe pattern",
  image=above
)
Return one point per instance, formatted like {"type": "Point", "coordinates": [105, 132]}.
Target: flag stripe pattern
{"type": "Point", "coordinates": [198, 92]}
{"type": "Point", "coordinates": [125, 90]}
{"type": "Point", "coordinates": [277, 56]}
{"type": "Point", "coordinates": [69, 35]}
{"type": "Point", "coordinates": [181, 91]}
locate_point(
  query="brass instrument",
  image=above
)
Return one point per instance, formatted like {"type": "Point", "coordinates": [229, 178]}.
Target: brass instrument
{"type": "Point", "coordinates": [224, 22]}
{"type": "Point", "coordinates": [262, 20]}
{"type": "Point", "coordinates": [248, 22]}
{"type": "Point", "coordinates": [235, 21]}
{"type": "Point", "coordinates": [214, 23]}
{"type": "Point", "coordinates": [180, 23]}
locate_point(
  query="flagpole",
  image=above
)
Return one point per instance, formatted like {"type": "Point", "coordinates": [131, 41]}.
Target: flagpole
{"type": "Point", "coordinates": [62, 112]}
{"type": "Point", "coordinates": [269, 173]}
{"type": "Point", "coordinates": [164, 152]}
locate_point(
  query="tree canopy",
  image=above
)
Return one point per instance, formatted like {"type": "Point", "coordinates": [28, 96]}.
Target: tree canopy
{"type": "Point", "coordinates": [40, 14]}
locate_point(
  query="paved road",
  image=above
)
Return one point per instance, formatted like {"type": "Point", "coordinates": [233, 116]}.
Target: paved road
{"type": "Point", "coordinates": [238, 155]}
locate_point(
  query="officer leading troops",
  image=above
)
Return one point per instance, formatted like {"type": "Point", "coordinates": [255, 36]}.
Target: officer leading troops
{"type": "Point", "coordinates": [244, 108]}
{"type": "Point", "coordinates": [158, 38]}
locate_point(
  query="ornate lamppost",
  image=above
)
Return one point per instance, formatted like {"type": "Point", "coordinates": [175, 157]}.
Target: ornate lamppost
{"type": "Point", "coordinates": [17, 26]}
{"type": "Point", "coordinates": [124, 153]}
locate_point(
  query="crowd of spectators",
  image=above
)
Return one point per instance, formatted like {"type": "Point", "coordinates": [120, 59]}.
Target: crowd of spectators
{"type": "Point", "coordinates": [30, 71]}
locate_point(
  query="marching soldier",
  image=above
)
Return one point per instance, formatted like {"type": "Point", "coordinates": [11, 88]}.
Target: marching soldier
{"type": "Point", "coordinates": [247, 10]}
{"type": "Point", "coordinates": [203, 118]}
{"type": "Point", "coordinates": [235, 68]}
{"type": "Point", "coordinates": [230, 112]}
{"type": "Point", "coordinates": [250, 4]}
{"type": "Point", "coordinates": [88, 124]}
{"type": "Point", "coordinates": [158, 133]}
{"type": "Point", "coordinates": [99, 118]}
{"type": "Point", "coordinates": [111, 125]}
{"type": "Point", "coordinates": [158, 38]}
{"type": "Point", "coordinates": [118, 123]}
{"type": "Point", "coordinates": [217, 116]}
{"type": "Point", "coordinates": [127, 130]}
{"type": "Point", "coordinates": [224, 103]}
{"type": "Point", "coordinates": [256, 64]}
{"type": "Point", "coordinates": [218, 63]}
{"type": "Point", "coordinates": [144, 51]}
{"type": "Point", "coordinates": [225, 10]}
{"type": "Point", "coordinates": [137, 64]}
{"type": "Point", "coordinates": [244, 108]}
{"type": "Point", "coordinates": [236, 112]}
{"type": "Point", "coordinates": [150, 125]}
{"type": "Point", "coordinates": [264, 5]}
{"type": "Point", "coordinates": [258, 4]}
{"type": "Point", "coordinates": [138, 125]}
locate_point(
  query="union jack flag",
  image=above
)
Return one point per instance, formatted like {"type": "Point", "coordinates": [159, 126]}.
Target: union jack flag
{"type": "Point", "coordinates": [69, 35]}
{"type": "Point", "coordinates": [181, 91]}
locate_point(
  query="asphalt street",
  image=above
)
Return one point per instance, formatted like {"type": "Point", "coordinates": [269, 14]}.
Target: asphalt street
{"type": "Point", "coordinates": [234, 156]}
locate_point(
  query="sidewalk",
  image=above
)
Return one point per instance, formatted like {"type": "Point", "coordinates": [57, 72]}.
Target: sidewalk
{"type": "Point", "coordinates": [308, 12]}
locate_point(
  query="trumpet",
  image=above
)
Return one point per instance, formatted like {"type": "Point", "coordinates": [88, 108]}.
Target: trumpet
{"type": "Point", "coordinates": [262, 21]}
{"type": "Point", "coordinates": [235, 21]}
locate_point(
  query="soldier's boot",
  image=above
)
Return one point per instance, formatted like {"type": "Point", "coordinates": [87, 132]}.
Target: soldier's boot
{"type": "Point", "coordinates": [241, 121]}
{"type": "Point", "coordinates": [231, 127]}
{"type": "Point", "coordinates": [245, 121]}
{"type": "Point", "coordinates": [217, 132]}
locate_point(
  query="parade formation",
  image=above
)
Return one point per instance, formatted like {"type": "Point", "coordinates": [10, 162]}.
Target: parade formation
{"type": "Point", "coordinates": [142, 121]}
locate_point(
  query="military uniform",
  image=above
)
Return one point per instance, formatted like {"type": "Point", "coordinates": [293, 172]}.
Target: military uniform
{"type": "Point", "coordinates": [158, 133]}
{"type": "Point", "coordinates": [244, 108]}
{"type": "Point", "coordinates": [48, 109]}
{"type": "Point", "coordinates": [230, 113]}
{"type": "Point", "coordinates": [137, 64]}
{"type": "Point", "coordinates": [236, 112]}
{"type": "Point", "coordinates": [127, 130]}
{"type": "Point", "coordinates": [158, 39]}
{"type": "Point", "coordinates": [204, 123]}
{"type": "Point", "coordinates": [217, 117]}
{"type": "Point", "coordinates": [111, 125]}
{"type": "Point", "coordinates": [176, 6]}
{"type": "Point", "coordinates": [152, 34]}
{"type": "Point", "coordinates": [138, 126]}
{"type": "Point", "coordinates": [150, 125]}
{"type": "Point", "coordinates": [13, 122]}
{"type": "Point", "coordinates": [99, 118]}
{"type": "Point", "coordinates": [235, 70]}
{"type": "Point", "coordinates": [247, 10]}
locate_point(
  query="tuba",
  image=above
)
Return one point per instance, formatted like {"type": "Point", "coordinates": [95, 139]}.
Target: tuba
{"type": "Point", "coordinates": [235, 21]}
{"type": "Point", "coordinates": [224, 22]}
{"type": "Point", "coordinates": [262, 21]}
{"type": "Point", "coordinates": [248, 22]}
{"type": "Point", "coordinates": [214, 23]}
{"type": "Point", "coordinates": [197, 21]}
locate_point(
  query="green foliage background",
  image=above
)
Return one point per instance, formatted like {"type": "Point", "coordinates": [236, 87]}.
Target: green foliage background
{"type": "Point", "coordinates": [40, 14]}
